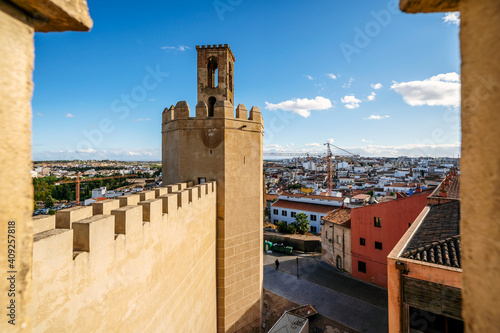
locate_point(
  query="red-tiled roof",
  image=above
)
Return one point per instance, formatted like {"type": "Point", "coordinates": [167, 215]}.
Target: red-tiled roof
{"type": "Point", "coordinates": [340, 216]}
{"type": "Point", "coordinates": [271, 197]}
{"type": "Point", "coordinates": [302, 206]}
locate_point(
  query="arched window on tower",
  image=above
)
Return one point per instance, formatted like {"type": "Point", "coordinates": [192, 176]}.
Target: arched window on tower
{"type": "Point", "coordinates": [211, 105]}
{"type": "Point", "coordinates": [212, 70]}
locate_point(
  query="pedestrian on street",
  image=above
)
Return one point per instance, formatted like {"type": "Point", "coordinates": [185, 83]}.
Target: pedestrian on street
{"type": "Point", "coordinates": [277, 262]}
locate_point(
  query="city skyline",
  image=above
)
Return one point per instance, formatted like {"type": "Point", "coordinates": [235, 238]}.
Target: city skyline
{"type": "Point", "coordinates": [357, 75]}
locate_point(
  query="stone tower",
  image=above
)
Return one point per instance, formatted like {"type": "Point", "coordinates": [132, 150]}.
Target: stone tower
{"type": "Point", "coordinates": [215, 75]}
{"type": "Point", "coordinates": [219, 145]}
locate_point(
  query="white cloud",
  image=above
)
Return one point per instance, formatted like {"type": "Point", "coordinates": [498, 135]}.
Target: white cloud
{"type": "Point", "coordinates": [348, 83]}
{"type": "Point", "coordinates": [314, 145]}
{"type": "Point", "coordinates": [87, 151]}
{"type": "Point", "coordinates": [377, 117]}
{"type": "Point", "coordinates": [143, 119]}
{"type": "Point", "coordinates": [376, 85]}
{"type": "Point", "coordinates": [372, 97]}
{"type": "Point", "coordinates": [332, 76]}
{"type": "Point", "coordinates": [274, 146]}
{"type": "Point", "coordinates": [350, 102]}
{"type": "Point", "coordinates": [181, 48]}
{"type": "Point", "coordinates": [330, 141]}
{"type": "Point", "coordinates": [39, 114]}
{"type": "Point", "coordinates": [367, 141]}
{"type": "Point", "coordinates": [452, 18]}
{"type": "Point", "coordinates": [302, 107]}
{"type": "Point", "coordinates": [413, 150]}
{"type": "Point", "coordinates": [439, 90]}
{"type": "Point", "coordinates": [152, 99]}
{"type": "Point", "coordinates": [310, 77]}
{"type": "Point", "coordinates": [69, 115]}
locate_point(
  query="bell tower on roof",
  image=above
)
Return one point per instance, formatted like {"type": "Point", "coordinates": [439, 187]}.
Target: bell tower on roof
{"type": "Point", "coordinates": [215, 75]}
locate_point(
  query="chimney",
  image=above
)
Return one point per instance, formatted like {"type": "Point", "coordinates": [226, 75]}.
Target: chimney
{"type": "Point", "coordinates": [443, 192]}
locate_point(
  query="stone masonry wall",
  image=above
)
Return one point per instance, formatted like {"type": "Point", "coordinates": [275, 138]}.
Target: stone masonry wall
{"type": "Point", "coordinates": [143, 262]}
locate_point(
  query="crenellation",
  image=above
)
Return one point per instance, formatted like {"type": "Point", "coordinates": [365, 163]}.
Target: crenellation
{"type": "Point", "coordinates": [182, 198]}
{"type": "Point", "coordinates": [146, 195]}
{"type": "Point", "coordinates": [93, 233]}
{"type": "Point", "coordinates": [160, 191]}
{"type": "Point", "coordinates": [255, 114]}
{"type": "Point", "coordinates": [169, 203]}
{"type": "Point", "coordinates": [65, 217]}
{"type": "Point", "coordinates": [129, 200]}
{"type": "Point", "coordinates": [182, 110]}
{"type": "Point", "coordinates": [182, 186]}
{"type": "Point", "coordinates": [128, 219]}
{"type": "Point", "coordinates": [223, 109]}
{"type": "Point", "coordinates": [164, 116]}
{"type": "Point", "coordinates": [105, 207]}
{"type": "Point", "coordinates": [43, 223]}
{"type": "Point", "coordinates": [152, 210]}
{"type": "Point", "coordinates": [201, 110]}
{"type": "Point", "coordinates": [241, 112]}
{"type": "Point", "coordinates": [171, 113]}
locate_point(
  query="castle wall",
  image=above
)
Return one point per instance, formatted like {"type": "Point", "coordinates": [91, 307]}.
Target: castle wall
{"type": "Point", "coordinates": [148, 266]}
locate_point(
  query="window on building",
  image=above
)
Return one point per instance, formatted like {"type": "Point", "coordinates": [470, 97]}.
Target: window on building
{"type": "Point", "coordinates": [378, 245]}
{"type": "Point", "coordinates": [362, 241]}
{"type": "Point", "coordinates": [314, 230]}
{"type": "Point", "coordinates": [202, 180]}
{"type": "Point", "coordinates": [361, 266]}
{"type": "Point", "coordinates": [292, 214]}
{"type": "Point", "coordinates": [339, 239]}
{"type": "Point", "coordinates": [339, 262]}
{"type": "Point", "coordinates": [377, 222]}
{"type": "Point", "coordinates": [283, 213]}
{"type": "Point", "coordinates": [275, 211]}
{"type": "Point", "coordinates": [275, 221]}
{"type": "Point", "coordinates": [313, 217]}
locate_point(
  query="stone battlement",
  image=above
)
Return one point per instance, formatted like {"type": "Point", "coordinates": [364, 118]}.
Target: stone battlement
{"type": "Point", "coordinates": [141, 242]}
{"type": "Point", "coordinates": [215, 46]}
{"type": "Point", "coordinates": [222, 109]}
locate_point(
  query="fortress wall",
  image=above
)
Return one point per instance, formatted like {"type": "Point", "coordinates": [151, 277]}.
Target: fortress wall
{"type": "Point", "coordinates": [148, 266]}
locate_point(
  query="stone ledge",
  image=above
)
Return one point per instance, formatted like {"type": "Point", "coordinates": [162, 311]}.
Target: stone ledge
{"type": "Point", "coordinates": [428, 6]}
{"type": "Point", "coordinates": [56, 15]}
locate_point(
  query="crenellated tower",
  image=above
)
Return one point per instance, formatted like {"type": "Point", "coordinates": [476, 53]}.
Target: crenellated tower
{"type": "Point", "coordinates": [219, 145]}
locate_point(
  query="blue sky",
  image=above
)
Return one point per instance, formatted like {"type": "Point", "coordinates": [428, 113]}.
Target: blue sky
{"type": "Point", "coordinates": [357, 73]}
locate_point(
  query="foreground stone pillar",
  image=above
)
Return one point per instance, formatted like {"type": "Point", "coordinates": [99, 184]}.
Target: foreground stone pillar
{"type": "Point", "coordinates": [18, 22]}
{"type": "Point", "coordinates": [480, 163]}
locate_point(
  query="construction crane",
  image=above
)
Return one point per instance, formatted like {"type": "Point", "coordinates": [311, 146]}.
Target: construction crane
{"type": "Point", "coordinates": [329, 171]}
{"type": "Point", "coordinates": [78, 181]}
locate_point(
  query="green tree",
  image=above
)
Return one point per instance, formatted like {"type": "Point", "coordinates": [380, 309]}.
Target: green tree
{"type": "Point", "coordinates": [48, 201]}
{"type": "Point", "coordinates": [302, 223]}
{"type": "Point", "coordinates": [282, 226]}
{"type": "Point", "coordinates": [291, 228]}
{"type": "Point", "coordinates": [52, 212]}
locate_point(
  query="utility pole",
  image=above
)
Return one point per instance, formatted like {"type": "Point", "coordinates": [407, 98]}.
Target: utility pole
{"type": "Point", "coordinates": [297, 260]}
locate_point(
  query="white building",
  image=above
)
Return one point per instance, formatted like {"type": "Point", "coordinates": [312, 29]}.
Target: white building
{"type": "Point", "coordinates": [314, 206]}
{"type": "Point", "coordinates": [98, 192]}
{"type": "Point", "coordinates": [310, 165]}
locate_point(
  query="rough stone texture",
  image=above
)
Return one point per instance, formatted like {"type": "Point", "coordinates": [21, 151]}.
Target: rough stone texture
{"type": "Point", "coordinates": [224, 58]}
{"type": "Point", "coordinates": [16, 66]}
{"type": "Point", "coordinates": [428, 6]}
{"type": "Point", "coordinates": [229, 151]}
{"type": "Point", "coordinates": [154, 276]}
{"type": "Point", "coordinates": [57, 15]}
{"type": "Point", "coordinates": [18, 21]}
{"type": "Point", "coordinates": [480, 173]}
{"type": "Point", "coordinates": [43, 223]}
